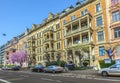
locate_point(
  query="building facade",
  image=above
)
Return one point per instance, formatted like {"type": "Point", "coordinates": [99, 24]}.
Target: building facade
{"type": "Point", "coordinates": [2, 52]}
{"type": "Point", "coordinates": [114, 26]}
{"type": "Point", "coordinates": [44, 42]}
{"type": "Point", "coordinates": [79, 33]}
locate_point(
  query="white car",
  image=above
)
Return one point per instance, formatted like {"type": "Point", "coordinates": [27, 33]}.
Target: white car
{"type": "Point", "coordinates": [53, 69]}
{"type": "Point", "coordinates": [112, 70]}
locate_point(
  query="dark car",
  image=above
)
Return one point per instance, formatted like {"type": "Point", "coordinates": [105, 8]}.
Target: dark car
{"type": "Point", "coordinates": [38, 68]}
{"type": "Point", "coordinates": [16, 68]}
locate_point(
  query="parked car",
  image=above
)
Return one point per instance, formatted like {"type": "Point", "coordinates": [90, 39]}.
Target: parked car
{"type": "Point", "coordinates": [53, 69]}
{"type": "Point", "coordinates": [71, 66]}
{"type": "Point", "coordinates": [16, 67]}
{"type": "Point", "coordinates": [38, 68]}
{"type": "Point", "coordinates": [112, 70]}
{"type": "Point", "coordinates": [6, 68]}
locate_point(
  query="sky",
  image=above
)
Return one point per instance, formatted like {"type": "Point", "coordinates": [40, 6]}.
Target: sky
{"type": "Point", "coordinates": [16, 15]}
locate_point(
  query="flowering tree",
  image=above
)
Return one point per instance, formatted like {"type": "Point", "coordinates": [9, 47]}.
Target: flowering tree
{"type": "Point", "coordinates": [18, 57]}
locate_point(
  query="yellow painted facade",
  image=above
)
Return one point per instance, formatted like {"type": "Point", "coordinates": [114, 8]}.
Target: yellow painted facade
{"type": "Point", "coordinates": [79, 33]}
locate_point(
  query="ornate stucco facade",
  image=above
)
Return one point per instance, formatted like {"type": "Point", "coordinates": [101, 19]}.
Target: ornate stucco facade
{"type": "Point", "coordinates": [81, 32]}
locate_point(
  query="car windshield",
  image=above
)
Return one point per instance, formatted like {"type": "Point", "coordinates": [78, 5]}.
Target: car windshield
{"type": "Point", "coordinates": [115, 66]}
{"type": "Point", "coordinates": [38, 66]}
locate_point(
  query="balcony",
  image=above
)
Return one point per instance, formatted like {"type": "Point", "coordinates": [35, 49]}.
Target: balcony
{"type": "Point", "coordinates": [49, 50]}
{"type": "Point", "coordinates": [47, 30]}
{"type": "Point", "coordinates": [114, 6]}
{"type": "Point", "coordinates": [48, 40]}
{"type": "Point", "coordinates": [78, 31]}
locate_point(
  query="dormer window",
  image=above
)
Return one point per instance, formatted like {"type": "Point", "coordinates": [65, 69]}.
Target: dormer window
{"type": "Point", "coordinates": [84, 12]}
{"type": "Point", "coordinates": [73, 17]}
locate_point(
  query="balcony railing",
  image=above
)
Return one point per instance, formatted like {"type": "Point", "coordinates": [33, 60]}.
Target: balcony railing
{"type": "Point", "coordinates": [51, 29]}
{"type": "Point", "coordinates": [48, 49]}
{"type": "Point", "coordinates": [47, 40]}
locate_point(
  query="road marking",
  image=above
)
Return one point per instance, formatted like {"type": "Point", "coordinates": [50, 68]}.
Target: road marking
{"type": "Point", "coordinates": [5, 81]}
{"type": "Point", "coordinates": [24, 75]}
{"type": "Point", "coordinates": [107, 79]}
{"type": "Point", "coordinates": [51, 80]}
{"type": "Point", "coordinates": [14, 79]}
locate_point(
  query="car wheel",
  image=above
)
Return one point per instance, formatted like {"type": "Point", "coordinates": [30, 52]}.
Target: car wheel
{"type": "Point", "coordinates": [44, 71]}
{"type": "Point", "coordinates": [38, 70]}
{"type": "Point", "coordinates": [104, 73]}
{"type": "Point", "coordinates": [53, 71]}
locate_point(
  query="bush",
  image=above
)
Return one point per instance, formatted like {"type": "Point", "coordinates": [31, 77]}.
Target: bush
{"type": "Point", "coordinates": [85, 63]}
{"type": "Point", "coordinates": [58, 63]}
{"type": "Point", "coordinates": [1, 65]}
{"type": "Point", "coordinates": [82, 68]}
{"type": "Point", "coordinates": [105, 65]}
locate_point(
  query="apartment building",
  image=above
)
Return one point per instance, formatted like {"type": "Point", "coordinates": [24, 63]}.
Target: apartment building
{"type": "Point", "coordinates": [113, 12]}
{"type": "Point", "coordinates": [15, 44]}
{"type": "Point", "coordinates": [44, 41]}
{"type": "Point", "coordinates": [2, 52]}
{"type": "Point", "coordinates": [85, 32]}
{"type": "Point", "coordinates": [10, 45]}
{"type": "Point", "coordinates": [79, 33]}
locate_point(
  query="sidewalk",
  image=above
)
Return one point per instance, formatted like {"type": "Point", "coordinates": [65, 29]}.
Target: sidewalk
{"type": "Point", "coordinates": [85, 72]}
{"type": "Point", "coordinates": [88, 72]}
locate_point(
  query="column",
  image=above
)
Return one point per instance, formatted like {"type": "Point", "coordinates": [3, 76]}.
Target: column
{"type": "Point", "coordinates": [73, 56]}
{"type": "Point", "coordinates": [66, 56]}
{"type": "Point", "coordinates": [90, 56]}
{"type": "Point", "coordinates": [71, 27]}
{"type": "Point", "coordinates": [81, 38]}
{"type": "Point", "coordinates": [79, 24]}
{"type": "Point", "coordinates": [49, 36]}
{"type": "Point", "coordinates": [89, 35]}
{"type": "Point", "coordinates": [88, 20]}
{"type": "Point", "coordinates": [50, 48]}
{"type": "Point", "coordinates": [72, 40]}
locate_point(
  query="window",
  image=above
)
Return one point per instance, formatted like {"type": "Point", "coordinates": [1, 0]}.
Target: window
{"type": "Point", "coordinates": [57, 26]}
{"type": "Point", "coordinates": [114, 2]}
{"type": "Point", "coordinates": [75, 27]}
{"type": "Point", "coordinates": [64, 22]}
{"type": "Point", "coordinates": [98, 8]}
{"type": "Point", "coordinates": [58, 35]}
{"type": "Point", "coordinates": [100, 36]}
{"type": "Point", "coordinates": [58, 45]}
{"type": "Point", "coordinates": [101, 50]}
{"type": "Point", "coordinates": [117, 32]}
{"type": "Point", "coordinates": [115, 16]}
{"type": "Point", "coordinates": [73, 17]}
{"type": "Point", "coordinates": [84, 12]}
{"type": "Point", "coordinates": [118, 50]}
{"type": "Point", "coordinates": [99, 21]}
{"type": "Point", "coordinates": [85, 39]}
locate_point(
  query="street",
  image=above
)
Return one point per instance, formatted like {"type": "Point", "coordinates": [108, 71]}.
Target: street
{"type": "Point", "coordinates": [32, 77]}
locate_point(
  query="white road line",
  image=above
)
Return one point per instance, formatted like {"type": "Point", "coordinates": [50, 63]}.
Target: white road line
{"type": "Point", "coordinates": [107, 79]}
{"type": "Point", "coordinates": [14, 79]}
{"type": "Point", "coordinates": [5, 81]}
{"type": "Point", "coordinates": [24, 75]}
{"type": "Point", "coordinates": [51, 80]}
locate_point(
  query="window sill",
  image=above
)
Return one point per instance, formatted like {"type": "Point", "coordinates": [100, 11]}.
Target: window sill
{"type": "Point", "coordinates": [100, 42]}
{"type": "Point", "coordinates": [115, 39]}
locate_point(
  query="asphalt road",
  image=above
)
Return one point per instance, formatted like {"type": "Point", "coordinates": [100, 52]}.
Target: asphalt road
{"type": "Point", "coordinates": [30, 77]}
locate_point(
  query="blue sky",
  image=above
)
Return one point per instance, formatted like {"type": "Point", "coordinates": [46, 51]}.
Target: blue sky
{"type": "Point", "coordinates": [16, 15]}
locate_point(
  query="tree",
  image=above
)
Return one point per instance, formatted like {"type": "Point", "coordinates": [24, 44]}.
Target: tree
{"type": "Point", "coordinates": [110, 52]}
{"type": "Point", "coordinates": [81, 49]}
{"type": "Point", "coordinates": [19, 57]}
